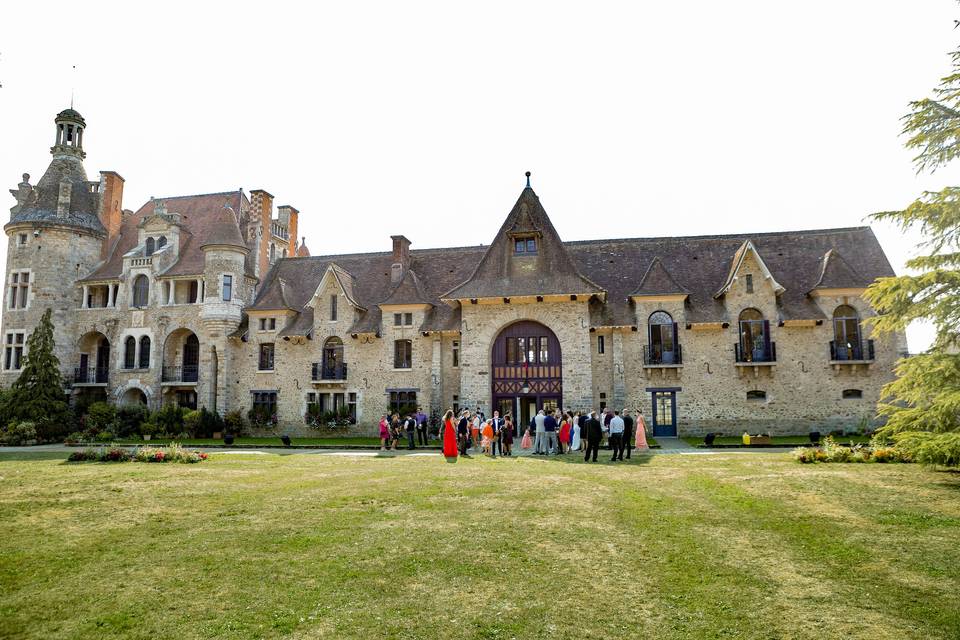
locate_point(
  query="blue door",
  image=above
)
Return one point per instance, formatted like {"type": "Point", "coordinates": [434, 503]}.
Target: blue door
{"type": "Point", "coordinates": [664, 414]}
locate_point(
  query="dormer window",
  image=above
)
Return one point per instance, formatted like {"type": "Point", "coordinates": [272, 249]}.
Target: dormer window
{"type": "Point", "coordinates": [150, 248]}
{"type": "Point", "coordinates": [161, 242]}
{"type": "Point", "coordinates": [525, 246]}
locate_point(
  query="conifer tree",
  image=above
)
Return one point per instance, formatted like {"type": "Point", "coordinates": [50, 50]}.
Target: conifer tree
{"type": "Point", "coordinates": [926, 394]}
{"type": "Point", "coordinates": [38, 395]}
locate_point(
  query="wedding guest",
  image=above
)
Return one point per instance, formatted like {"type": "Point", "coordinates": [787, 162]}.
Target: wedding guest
{"type": "Point", "coordinates": [616, 436]}
{"type": "Point", "coordinates": [626, 443]}
{"type": "Point", "coordinates": [384, 432]}
{"type": "Point", "coordinates": [564, 432]}
{"type": "Point", "coordinates": [594, 434]}
{"type": "Point", "coordinates": [449, 437]}
{"type": "Point", "coordinates": [506, 435]}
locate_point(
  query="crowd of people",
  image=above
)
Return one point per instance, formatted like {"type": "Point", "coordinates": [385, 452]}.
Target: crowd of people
{"type": "Point", "coordinates": [549, 432]}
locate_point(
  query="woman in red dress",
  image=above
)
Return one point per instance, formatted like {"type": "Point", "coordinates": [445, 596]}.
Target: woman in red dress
{"type": "Point", "coordinates": [565, 434]}
{"type": "Point", "coordinates": [449, 437]}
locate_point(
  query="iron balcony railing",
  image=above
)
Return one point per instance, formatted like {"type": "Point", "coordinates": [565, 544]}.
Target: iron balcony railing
{"type": "Point", "coordinates": [658, 356]}
{"type": "Point", "coordinates": [91, 375]}
{"type": "Point", "coordinates": [860, 351]}
{"type": "Point", "coordinates": [186, 373]}
{"type": "Point", "coordinates": [326, 371]}
{"type": "Point", "coordinates": [755, 355]}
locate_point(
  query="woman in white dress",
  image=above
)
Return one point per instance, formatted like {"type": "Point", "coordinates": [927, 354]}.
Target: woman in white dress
{"type": "Point", "coordinates": [575, 440]}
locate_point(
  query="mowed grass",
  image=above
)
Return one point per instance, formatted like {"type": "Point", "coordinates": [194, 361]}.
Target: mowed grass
{"type": "Point", "coordinates": [324, 546]}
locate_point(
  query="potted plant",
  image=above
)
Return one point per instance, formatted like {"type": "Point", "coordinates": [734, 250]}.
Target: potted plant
{"type": "Point", "coordinates": [148, 428]}
{"type": "Point", "coordinates": [285, 439]}
{"type": "Point", "coordinates": [227, 438]}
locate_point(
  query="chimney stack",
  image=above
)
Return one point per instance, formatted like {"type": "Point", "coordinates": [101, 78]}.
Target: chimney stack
{"type": "Point", "coordinates": [401, 258]}
{"type": "Point", "coordinates": [261, 203]}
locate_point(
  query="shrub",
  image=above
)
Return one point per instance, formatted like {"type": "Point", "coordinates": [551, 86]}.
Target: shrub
{"type": "Point", "coordinates": [73, 438]}
{"type": "Point", "coordinates": [208, 422]}
{"type": "Point", "coordinates": [169, 419]}
{"type": "Point", "coordinates": [191, 422]}
{"type": "Point", "coordinates": [19, 433]}
{"type": "Point", "coordinates": [103, 436]}
{"type": "Point", "coordinates": [938, 449]}
{"type": "Point", "coordinates": [172, 453]}
{"type": "Point", "coordinates": [805, 455]}
{"type": "Point", "coordinates": [100, 417]}
{"type": "Point", "coordinates": [129, 419]}
{"type": "Point", "coordinates": [261, 419]}
{"type": "Point", "coordinates": [234, 423]}
{"type": "Point", "coordinates": [149, 428]}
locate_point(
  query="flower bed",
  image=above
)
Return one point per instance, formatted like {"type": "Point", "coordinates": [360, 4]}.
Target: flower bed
{"type": "Point", "coordinates": [831, 451]}
{"type": "Point", "coordinates": [170, 453]}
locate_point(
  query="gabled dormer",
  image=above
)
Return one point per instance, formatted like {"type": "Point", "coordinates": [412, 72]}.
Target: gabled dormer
{"type": "Point", "coordinates": [657, 283]}
{"type": "Point", "coordinates": [748, 262]}
{"type": "Point", "coordinates": [837, 277]}
{"type": "Point", "coordinates": [526, 259]}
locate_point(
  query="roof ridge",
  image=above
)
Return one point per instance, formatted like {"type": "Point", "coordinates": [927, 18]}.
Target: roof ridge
{"type": "Point", "coordinates": [714, 236]}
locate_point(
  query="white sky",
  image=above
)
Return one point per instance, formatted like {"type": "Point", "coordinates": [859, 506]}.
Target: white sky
{"type": "Point", "coordinates": [378, 118]}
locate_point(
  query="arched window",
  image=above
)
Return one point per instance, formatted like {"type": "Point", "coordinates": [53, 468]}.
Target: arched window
{"type": "Point", "coordinates": [663, 348]}
{"type": "Point", "coordinates": [130, 352]}
{"type": "Point", "coordinates": [150, 247]}
{"type": "Point", "coordinates": [145, 352]}
{"type": "Point", "coordinates": [754, 345]}
{"type": "Point", "coordinates": [846, 334]}
{"type": "Point", "coordinates": [141, 291]}
{"type": "Point", "coordinates": [161, 242]}
{"type": "Point", "coordinates": [334, 367]}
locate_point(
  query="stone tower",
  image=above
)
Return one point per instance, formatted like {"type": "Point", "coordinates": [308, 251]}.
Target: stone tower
{"type": "Point", "coordinates": [55, 235]}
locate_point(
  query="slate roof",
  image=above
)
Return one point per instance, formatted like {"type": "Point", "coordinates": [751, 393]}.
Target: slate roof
{"type": "Point", "coordinates": [202, 217]}
{"type": "Point", "coordinates": [657, 281]}
{"type": "Point", "coordinates": [609, 271]}
{"type": "Point", "coordinates": [42, 204]}
{"type": "Point", "coordinates": [699, 265]}
{"type": "Point", "coordinates": [550, 272]}
{"type": "Point", "coordinates": [836, 273]}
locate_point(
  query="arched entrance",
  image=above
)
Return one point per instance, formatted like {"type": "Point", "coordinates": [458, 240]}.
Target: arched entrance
{"type": "Point", "coordinates": [133, 397]}
{"type": "Point", "coordinates": [526, 371]}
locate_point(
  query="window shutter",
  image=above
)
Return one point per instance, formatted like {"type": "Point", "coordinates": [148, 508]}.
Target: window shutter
{"type": "Point", "coordinates": [674, 336]}
{"type": "Point", "coordinates": [766, 338]}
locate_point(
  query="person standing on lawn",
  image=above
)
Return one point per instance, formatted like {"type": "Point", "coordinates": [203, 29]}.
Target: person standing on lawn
{"type": "Point", "coordinates": [449, 436]}
{"type": "Point", "coordinates": [410, 426]}
{"type": "Point", "coordinates": [506, 435]}
{"type": "Point", "coordinates": [394, 431]}
{"type": "Point", "coordinates": [496, 423]}
{"type": "Point", "coordinates": [475, 429]}
{"type": "Point", "coordinates": [575, 438]}
{"type": "Point", "coordinates": [384, 432]}
{"type": "Point", "coordinates": [641, 440]}
{"type": "Point", "coordinates": [564, 432]}
{"type": "Point", "coordinates": [550, 430]}
{"type": "Point", "coordinates": [627, 444]}
{"type": "Point", "coordinates": [540, 439]}
{"type": "Point", "coordinates": [616, 436]}
{"type": "Point", "coordinates": [463, 433]}
{"type": "Point", "coordinates": [422, 436]}
{"type": "Point", "coordinates": [594, 435]}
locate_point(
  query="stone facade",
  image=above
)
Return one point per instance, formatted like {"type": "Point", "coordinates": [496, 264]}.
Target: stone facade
{"type": "Point", "coordinates": [190, 300]}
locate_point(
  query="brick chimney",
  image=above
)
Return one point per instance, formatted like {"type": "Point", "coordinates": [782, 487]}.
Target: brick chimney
{"type": "Point", "coordinates": [290, 215]}
{"type": "Point", "coordinates": [401, 258]}
{"type": "Point", "coordinates": [261, 204]}
{"type": "Point", "coordinates": [111, 206]}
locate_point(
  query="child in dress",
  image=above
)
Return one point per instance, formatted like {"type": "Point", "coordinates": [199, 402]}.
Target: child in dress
{"type": "Point", "coordinates": [487, 438]}
{"type": "Point", "coordinates": [526, 443]}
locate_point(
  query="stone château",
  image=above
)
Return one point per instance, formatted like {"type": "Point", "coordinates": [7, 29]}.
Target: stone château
{"type": "Point", "coordinates": [210, 300]}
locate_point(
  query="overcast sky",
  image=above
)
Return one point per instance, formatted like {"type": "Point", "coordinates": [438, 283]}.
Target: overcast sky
{"type": "Point", "coordinates": [420, 118]}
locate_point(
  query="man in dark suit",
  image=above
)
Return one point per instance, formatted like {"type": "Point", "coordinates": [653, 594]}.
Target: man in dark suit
{"type": "Point", "coordinates": [496, 423]}
{"type": "Point", "coordinates": [627, 442]}
{"type": "Point", "coordinates": [594, 435]}
{"type": "Point", "coordinates": [410, 425]}
{"type": "Point", "coordinates": [463, 429]}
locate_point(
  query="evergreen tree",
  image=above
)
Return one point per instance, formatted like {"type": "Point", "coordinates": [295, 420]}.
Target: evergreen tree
{"type": "Point", "coordinates": [38, 395]}
{"type": "Point", "coordinates": [926, 394]}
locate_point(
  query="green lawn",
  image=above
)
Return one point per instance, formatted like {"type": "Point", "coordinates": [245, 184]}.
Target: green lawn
{"type": "Point", "coordinates": [337, 546]}
{"type": "Point", "coordinates": [696, 440]}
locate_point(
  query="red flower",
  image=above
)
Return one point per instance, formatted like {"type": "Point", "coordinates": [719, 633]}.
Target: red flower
{"type": "Point", "coordinates": [203, 456]}
{"type": "Point", "coordinates": [158, 456]}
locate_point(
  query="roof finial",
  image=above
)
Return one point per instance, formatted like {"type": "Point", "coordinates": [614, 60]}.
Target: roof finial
{"type": "Point", "coordinates": [528, 179]}
{"type": "Point", "coordinates": [73, 82]}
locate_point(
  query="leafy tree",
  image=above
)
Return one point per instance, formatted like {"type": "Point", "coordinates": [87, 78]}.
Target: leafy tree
{"type": "Point", "coordinates": [38, 395]}
{"type": "Point", "coordinates": [926, 394]}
